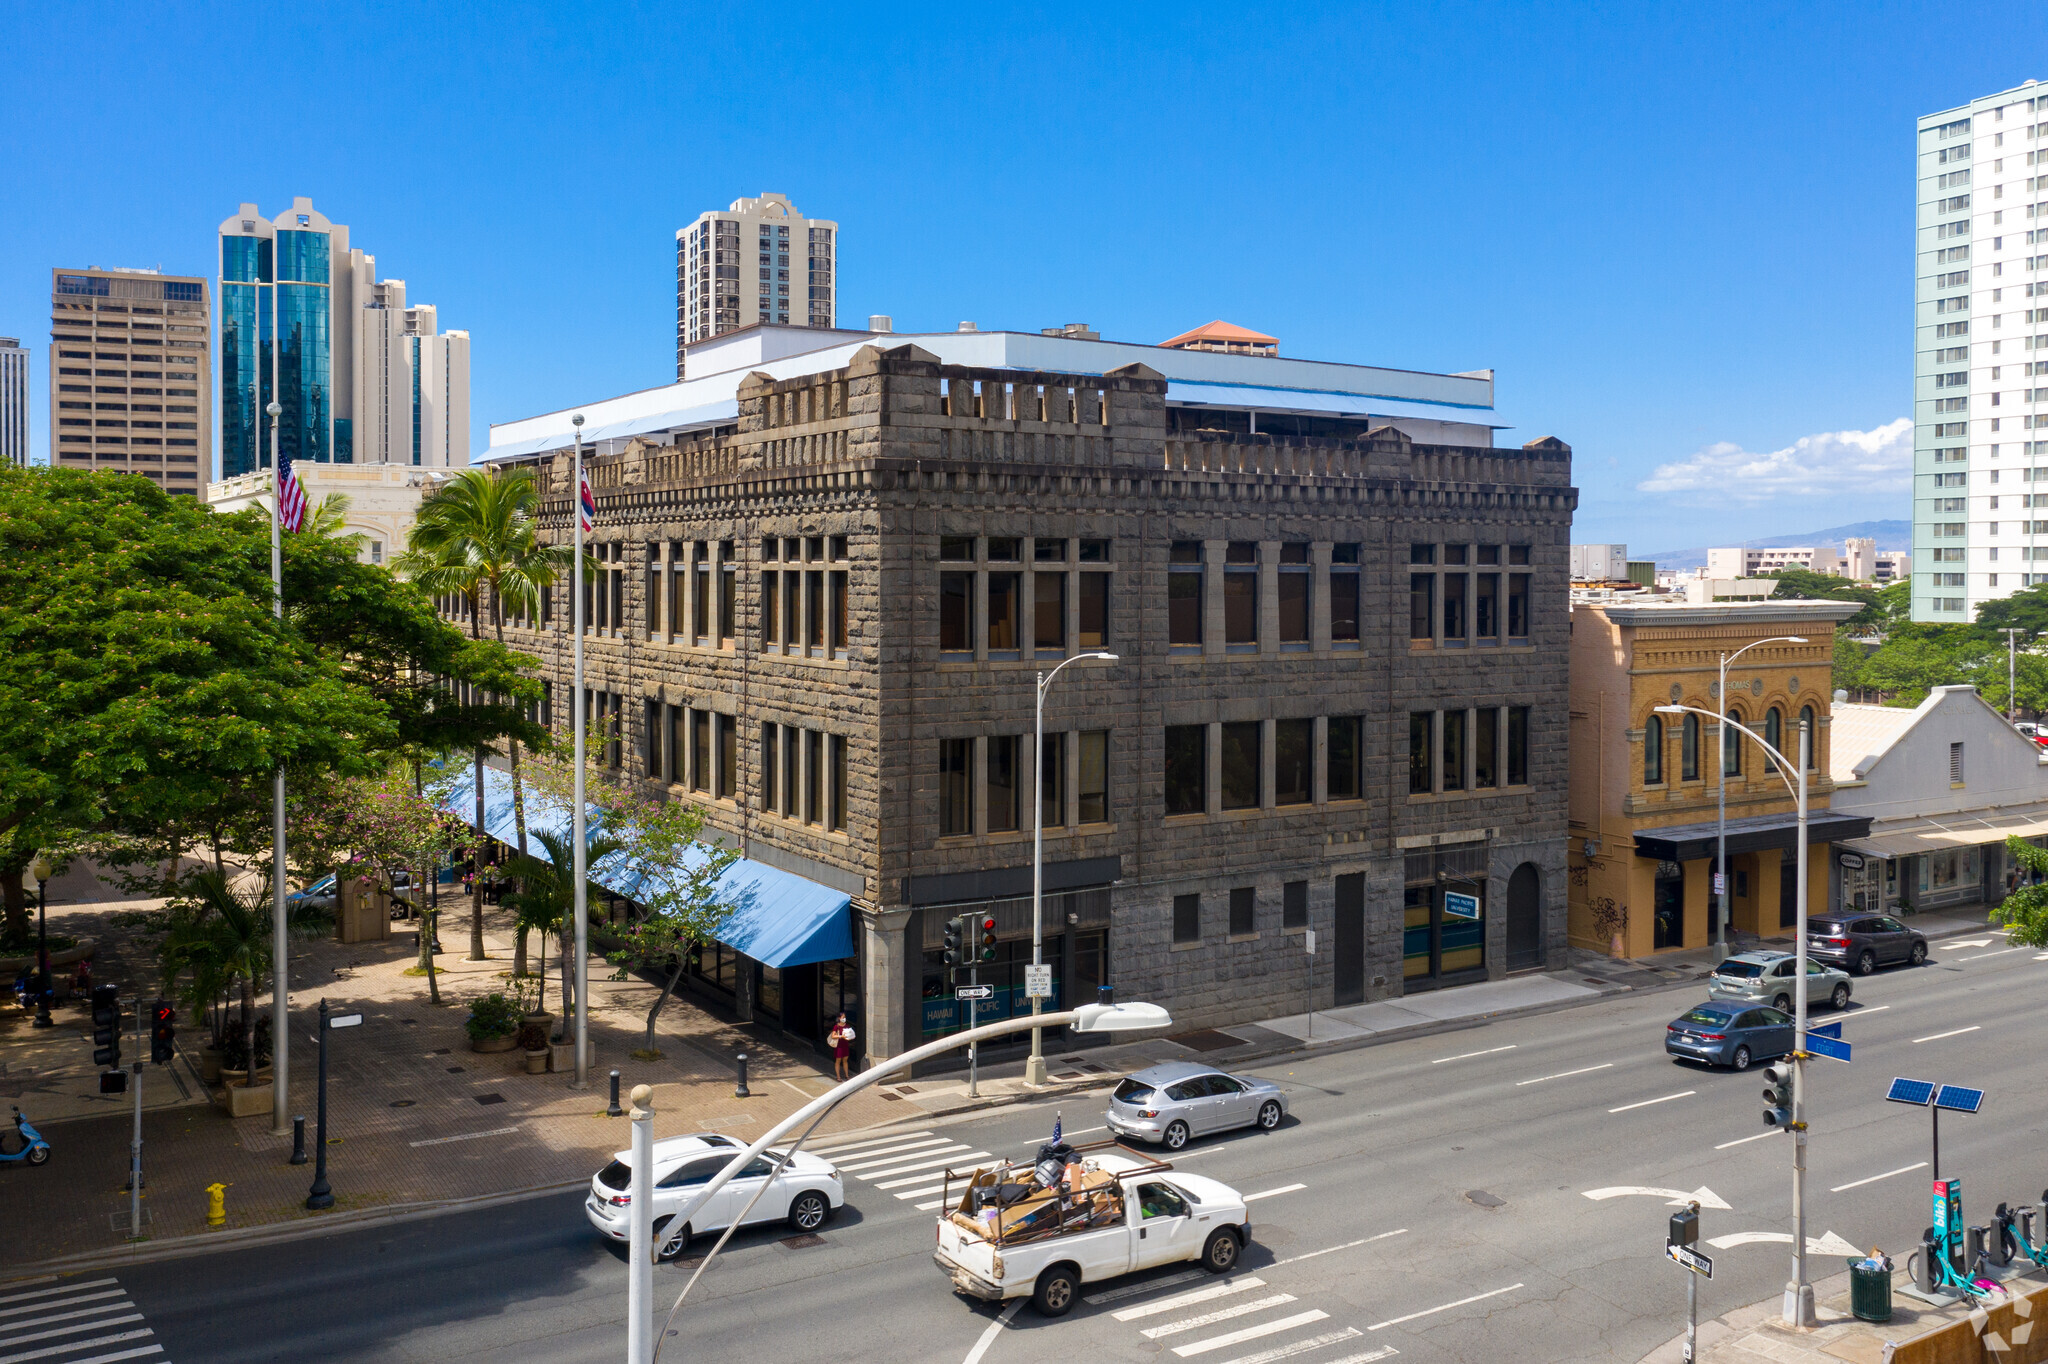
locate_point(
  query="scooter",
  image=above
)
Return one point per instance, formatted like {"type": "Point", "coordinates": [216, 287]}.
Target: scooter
{"type": "Point", "coordinates": [26, 1145]}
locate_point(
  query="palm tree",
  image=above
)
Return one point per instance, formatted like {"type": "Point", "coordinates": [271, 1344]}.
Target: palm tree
{"type": "Point", "coordinates": [547, 888]}
{"type": "Point", "coordinates": [226, 939]}
{"type": "Point", "coordinates": [477, 533]}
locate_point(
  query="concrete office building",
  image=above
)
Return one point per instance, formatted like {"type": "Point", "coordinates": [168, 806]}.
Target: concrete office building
{"type": "Point", "coordinates": [131, 375]}
{"type": "Point", "coordinates": [365, 377]}
{"type": "Point", "coordinates": [1980, 370]}
{"type": "Point", "coordinates": [747, 264]}
{"type": "Point", "coordinates": [1860, 560]}
{"type": "Point", "coordinates": [13, 403]}
{"type": "Point", "coordinates": [1339, 705]}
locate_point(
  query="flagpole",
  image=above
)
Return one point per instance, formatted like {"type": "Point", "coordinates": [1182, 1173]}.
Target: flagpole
{"type": "Point", "coordinates": [280, 999]}
{"type": "Point", "coordinates": [577, 815]}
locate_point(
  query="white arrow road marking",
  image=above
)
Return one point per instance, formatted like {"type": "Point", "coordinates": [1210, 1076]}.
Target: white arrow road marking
{"type": "Point", "coordinates": [1705, 1196]}
{"type": "Point", "coordinates": [1968, 942]}
{"type": "Point", "coordinates": [988, 1337]}
{"type": "Point", "coordinates": [1999, 953]}
{"type": "Point", "coordinates": [1826, 1244]}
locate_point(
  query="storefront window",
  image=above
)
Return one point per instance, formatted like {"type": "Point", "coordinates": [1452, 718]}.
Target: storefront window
{"type": "Point", "coordinates": [942, 1014]}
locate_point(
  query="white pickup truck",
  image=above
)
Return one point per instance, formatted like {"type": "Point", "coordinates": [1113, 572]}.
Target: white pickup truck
{"type": "Point", "coordinates": [1115, 1212]}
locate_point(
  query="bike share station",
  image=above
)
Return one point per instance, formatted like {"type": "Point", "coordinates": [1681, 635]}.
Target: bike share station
{"type": "Point", "coordinates": [1958, 1262]}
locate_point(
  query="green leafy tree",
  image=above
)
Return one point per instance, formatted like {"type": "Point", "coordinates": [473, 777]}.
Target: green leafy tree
{"type": "Point", "coordinates": [222, 936]}
{"type": "Point", "coordinates": [1801, 584]}
{"type": "Point", "coordinates": [2024, 915]}
{"type": "Point", "coordinates": [682, 902]}
{"type": "Point", "coordinates": [545, 899]}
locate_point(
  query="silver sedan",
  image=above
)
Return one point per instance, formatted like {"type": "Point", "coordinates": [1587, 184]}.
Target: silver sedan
{"type": "Point", "coordinates": [1170, 1103]}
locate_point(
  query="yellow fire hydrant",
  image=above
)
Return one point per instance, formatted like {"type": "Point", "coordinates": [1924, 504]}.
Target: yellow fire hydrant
{"type": "Point", "coordinates": [216, 1205]}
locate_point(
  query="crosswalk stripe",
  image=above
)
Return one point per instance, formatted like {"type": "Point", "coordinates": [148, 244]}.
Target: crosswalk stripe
{"type": "Point", "coordinates": [74, 1329]}
{"type": "Point", "coordinates": [49, 1350]}
{"type": "Point", "coordinates": [1202, 1347]}
{"type": "Point", "coordinates": [869, 1155]}
{"type": "Point", "coordinates": [1180, 1300]}
{"type": "Point", "coordinates": [842, 1150]}
{"type": "Point", "coordinates": [98, 1310]}
{"type": "Point", "coordinates": [938, 1160]}
{"type": "Point", "coordinates": [61, 1288]}
{"type": "Point", "coordinates": [860, 1164]}
{"type": "Point", "coordinates": [935, 1203]}
{"type": "Point", "coordinates": [1302, 1347]}
{"type": "Point", "coordinates": [908, 1194]}
{"type": "Point", "coordinates": [1132, 1290]}
{"type": "Point", "coordinates": [928, 1170]}
{"type": "Point", "coordinates": [137, 1353]}
{"type": "Point", "coordinates": [61, 1302]}
{"type": "Point", "coordinates": [1241, 1309]}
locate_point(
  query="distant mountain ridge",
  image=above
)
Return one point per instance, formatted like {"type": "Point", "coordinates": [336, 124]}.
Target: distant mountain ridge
{"type": "Point", "coordinates": [1888, 534]}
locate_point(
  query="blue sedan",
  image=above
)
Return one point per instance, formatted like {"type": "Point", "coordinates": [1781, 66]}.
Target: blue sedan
{"type": "Point", "coordinates": [1730, 1034]}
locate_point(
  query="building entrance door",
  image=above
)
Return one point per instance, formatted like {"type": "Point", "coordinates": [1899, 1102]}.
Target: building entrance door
{"type": "Point", "coordinates": [1669, 928]}
{"type": "Point", "coordinates": [1348, 941]}
{"type": "Point", "coordinates": [1788, 889]}
{"type": "Point", "coordinates": [1525, 918]}
{"type": "Point", "coordinates": [1443, 918]}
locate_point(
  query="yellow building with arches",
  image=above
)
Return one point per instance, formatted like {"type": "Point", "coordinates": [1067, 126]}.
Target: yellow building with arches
{"type": "Point", "coordinates": [1643, 792]}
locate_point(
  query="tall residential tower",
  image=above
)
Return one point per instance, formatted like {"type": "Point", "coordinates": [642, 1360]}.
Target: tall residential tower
{"type": "Point", "coordinates": [363, 378]}
{"type": "Point", "coordinates": [1980, 411]}
{"type": "Point", "coordinates": [130, 376]}
{"type": "Point", "coordinates": [13, 403]}
{"type": "Point", "coordinates": [747, 264]}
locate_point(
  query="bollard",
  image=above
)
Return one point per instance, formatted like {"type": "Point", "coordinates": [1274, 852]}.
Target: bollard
{"type": "Point", "coordinates": [216, 1205]}
{"type": "Point", "coordinates": [298, 1141]}
{"type": "Point", "coordinates": [612, 1110]}
{"type": "Point", "coordinates": [740, 1090]}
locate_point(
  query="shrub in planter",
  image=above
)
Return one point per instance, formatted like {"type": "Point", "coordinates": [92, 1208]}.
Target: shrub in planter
{"type": "Point", "coordinates": [533, 1037]}
{"type": "Point", "coordinates": [492, 1016]}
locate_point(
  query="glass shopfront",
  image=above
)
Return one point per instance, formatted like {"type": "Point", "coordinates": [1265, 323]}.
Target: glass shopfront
{"type": "Point", "coordinates": [1076, 974]}
{"type": "Point", "coordinates": [1443, 917]}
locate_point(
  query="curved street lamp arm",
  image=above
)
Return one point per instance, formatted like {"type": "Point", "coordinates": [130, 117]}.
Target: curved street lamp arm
{"type": "Point", "coordinates": [1045, 683]}
{"type": "Point", "coordinates": [1726, 659]}
{"type": "Point", "coordinates": [1783, 765]}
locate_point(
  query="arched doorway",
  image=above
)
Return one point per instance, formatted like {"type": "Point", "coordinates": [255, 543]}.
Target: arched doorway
{"type": "Point", "coordinates": [1525, 918]}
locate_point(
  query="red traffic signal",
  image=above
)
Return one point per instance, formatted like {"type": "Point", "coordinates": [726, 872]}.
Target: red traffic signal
{"type": "Point", "coordinates": [163, 1031]}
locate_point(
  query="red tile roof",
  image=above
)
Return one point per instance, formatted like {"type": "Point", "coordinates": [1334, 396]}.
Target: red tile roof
{"type": "Point", "coordinates": [1219, 330]}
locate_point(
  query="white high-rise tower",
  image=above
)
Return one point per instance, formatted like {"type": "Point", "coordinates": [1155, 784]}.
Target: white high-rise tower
{"type": "Point", "coordinates": [758, 261]}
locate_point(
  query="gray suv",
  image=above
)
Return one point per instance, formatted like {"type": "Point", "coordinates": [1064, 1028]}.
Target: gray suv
{"type": "Point", "coordinates": [1863, 942]}
{"type": "Point", "coordinates": [1773, 977]}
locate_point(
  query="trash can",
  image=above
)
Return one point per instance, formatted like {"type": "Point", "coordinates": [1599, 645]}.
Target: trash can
{"type": "Point", "coordinates": [1870, 1293]}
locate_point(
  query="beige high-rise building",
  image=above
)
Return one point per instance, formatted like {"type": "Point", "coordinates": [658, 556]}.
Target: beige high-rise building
{"type": "Point", "coordinates": [131, 375]}
{"type": "Point", "coordinates": [758, 261]}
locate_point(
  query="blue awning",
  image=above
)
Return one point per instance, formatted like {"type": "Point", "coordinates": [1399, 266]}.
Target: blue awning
{"type": "Point", "coordinates": [783, 919]}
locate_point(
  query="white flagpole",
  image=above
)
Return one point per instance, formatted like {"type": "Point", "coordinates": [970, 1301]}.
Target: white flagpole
{"type": "Point", "coordinates": [280, 996]}
{"type": "Point", "coordinates": [576, 817]}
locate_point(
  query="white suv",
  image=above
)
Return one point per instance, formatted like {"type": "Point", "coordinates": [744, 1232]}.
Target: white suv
{"type": "Point", "coordinates": [805, 1194]}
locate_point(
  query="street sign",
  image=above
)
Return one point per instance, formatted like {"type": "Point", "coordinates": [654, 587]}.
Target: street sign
{"type": "Point", "coordinates": [974, 991]}
{"type": "Point", "coordinates": [1308, 940]}
{"type": "Point", "coordinates": [1458, 905]}
{"type": "Point", "coordinates": [344, 1020]}
{"type": "Point", "coordinates": [1833, 1048]}
{"type": "Point", "coordinates": [1038, 981]}
{"type": "Point", "coordinates": [1691, 1259]}
{"type": "Point", "coordinates": [1825, 1030]}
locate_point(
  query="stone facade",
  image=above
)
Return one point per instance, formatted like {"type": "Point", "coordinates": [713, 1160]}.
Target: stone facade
{"type": "Point", "coordinates": [928, 487]}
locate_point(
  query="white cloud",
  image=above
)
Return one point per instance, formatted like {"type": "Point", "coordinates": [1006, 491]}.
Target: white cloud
{"type": "Point", "coordinates": [1833, 463]}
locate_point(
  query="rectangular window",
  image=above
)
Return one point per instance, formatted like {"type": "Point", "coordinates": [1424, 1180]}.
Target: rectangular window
{"type": "Point", "coordinates": [1187, 769]}
{"type": "Point", "coordinates": [957, 547]}
{"type": "Point", "coordinates": [814, 777]}
{"type": "Point", "coordinates": [1345, 758]}
{"type": "Point", "coordinates": [956, 613]}
{"type": "Point", "coordinates": [700, 594]}
{"type": "Point", "coordinates": [700, 750]}
{"type": "Point", "coordinates": [771, 596]}
{"type": "Point", "coordinates": [651, 718]}
{"type": "Point", "coordinates": [1421, 606]}
{"type": "Point", "coordinates": [1422, 554]}
{"type": "Point", "coordinates": [1187, 918]}
{"type": "Point", "coordinates": [654, 575]}
{"type": "Point", "coordinates": [1485, 748]}
{"type": "Point", "coordinates": [792, 772]}
{"type": "Point", "coordinates": [1184, 607]}
{"type": "Point", "coordinates": [1243, 911]}
{"type": "Point", "coordinates": [1241, 765]}
{"type": "Point", "coordinates": [1052, 802]}
{"type": "Point", "coordinates": [1343, 606]}
{"type": "Point", "coordinates": [1518, 606]}
{"type": "Point", "coordinates": [1454, 750]}
{"type": "Point", "coordinates": [838, 785]}
{"type": "Point", "coordinates": [728, 758]}
{"type": "Point", "coordinates": [1241, 606]}
{"type": "Point", "coordinates": [768, 734]}
{"type": "Point", "coordinates": [1419, 758]}
{"type": "Point", "coordinates": [1001, 783]}
{"type": "Point", "coordinates": [956, 787]}
{"type": "Point", "coordinates": [1092, 776]}
{"type": "Point", "coordinates": [836, 623]}
{"type": "Point", "coordinates": [1455, 620]}
{"type": "Point", "coordinates": [1294, 604]}
{"type": "Point", "coordinates": [814, 613]}
{"type": "Point", "coordinates": [1955, 764]}
{"type": "Point", "coordinates": [677, 739]}
{"type": "Point", "coordinates": [1486, 606]}
{"type": "Point", "coordinates": [728, 601]}
{"type": "Point", "coordinates": [1002, 612]}
{"type": "Point", "coordinates": [1094, 611]}
{"type": "Point", "coordinates": [1049, 611]}
{"type": "Point", "coordinates": [1294, 904]}
{"type": "Point", "coordinates": [1518, 745]}
{"type": "Point", "coordinates": [1294, 761]}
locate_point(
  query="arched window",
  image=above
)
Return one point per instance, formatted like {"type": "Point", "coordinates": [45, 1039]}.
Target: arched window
{"type": "Point", "coordinates": [1813, 738]}
{"type": "Point", "coordinates": [1773, 733]}
{"type": "Point", "coordinates": [1689, 749]}
{"type": "Point", "coordinates": [1653, 751]}
{"type": "Point", "coordinates": [1731, 745]}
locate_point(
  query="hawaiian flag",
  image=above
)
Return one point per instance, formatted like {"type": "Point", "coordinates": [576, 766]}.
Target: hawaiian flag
{"type": "Point", "coordinates": [291, 497]}
{"type": "Point", "coordinates": [586, 506]}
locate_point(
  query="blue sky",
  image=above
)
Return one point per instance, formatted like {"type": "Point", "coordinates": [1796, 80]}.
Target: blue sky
{"type": "Point", "coordinates": [1680, 234]}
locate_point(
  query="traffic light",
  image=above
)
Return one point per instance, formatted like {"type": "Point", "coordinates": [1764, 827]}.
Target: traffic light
{"type": "Point", "coordinates": [956, 942]}
{"type": "Point", "coordinates": [163, 1032]}
{"type": "Point", "coordinates": [106, 1025]}
{"type": "Point", "coordinates": [1778, 1095]}
{"type": "Point", "coordinates": [988, 939]}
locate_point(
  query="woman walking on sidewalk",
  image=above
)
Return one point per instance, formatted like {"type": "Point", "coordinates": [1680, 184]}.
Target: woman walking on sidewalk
{"type": "Point", "coordinates": [841, 1038]}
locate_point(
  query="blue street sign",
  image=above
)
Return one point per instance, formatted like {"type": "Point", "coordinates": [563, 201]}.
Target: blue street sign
{"type": "Point", "coordinates": [1825, 1030]}
{"type": "Point", "coordinates": [1831, 1047]}
{"type": "Point", "coordinates": [1458, 905]}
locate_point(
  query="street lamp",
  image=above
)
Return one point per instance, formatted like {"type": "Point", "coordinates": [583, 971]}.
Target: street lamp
{"type": "Point", "coordinates": [42, 871]}
{"type": "Point", "coordinates": [1105, 1018]}
{"type": "Point", "coordinates": [1034, 1069]}
{"type": "Point", "coordinates": [1721, 795]}
{"type": "Point", "coordinates": [1798, 1306]}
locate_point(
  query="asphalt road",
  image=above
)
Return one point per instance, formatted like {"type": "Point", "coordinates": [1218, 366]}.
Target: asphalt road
{"type": "Point", "coordinates": [1369, 1240]}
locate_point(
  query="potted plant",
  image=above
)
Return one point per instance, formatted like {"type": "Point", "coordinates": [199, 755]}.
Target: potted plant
{"type": "Point", "coordinates": [493, 1023]}
{"type": "Point", "coordinates": [533, 1040]}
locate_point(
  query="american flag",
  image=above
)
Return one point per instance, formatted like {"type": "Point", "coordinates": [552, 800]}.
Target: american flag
{"type": "Point", "coordinates": [1055, 1129]}
{"type": "Point", "coordinates": [586, 506]}
{"type": "Point", "coordinates": [291, 497]}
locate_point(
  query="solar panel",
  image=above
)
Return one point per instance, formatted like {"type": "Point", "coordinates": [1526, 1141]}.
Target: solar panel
{"type": "Point", "coordinates": [1910, 1092]}
{"type": "Point", "coordinates": [1959, 1099]}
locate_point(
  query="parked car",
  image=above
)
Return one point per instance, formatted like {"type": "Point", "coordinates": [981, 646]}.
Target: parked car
{"type": "Point", "coordinates": [1729, 1034]}
{"type": "Point", "coordinates": [2038, 733]}
{"type": "Point", "coordinates": [319, 895]}
{"type": "Point", "coordinates": [805, 1195]}
{"type": "Point", "coordinates": [1170, 1103]}
{"type": "Point", "coordinates": [1863, 942]}
{"type": "Point", "coordinates": [1771, 977]}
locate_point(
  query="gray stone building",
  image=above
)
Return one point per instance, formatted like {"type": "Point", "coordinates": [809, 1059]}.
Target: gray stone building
{"type": "Point", "coordinates": [1339, 700]}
